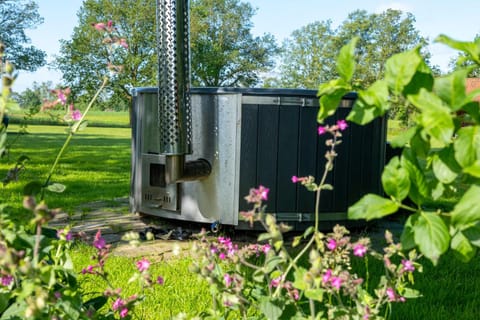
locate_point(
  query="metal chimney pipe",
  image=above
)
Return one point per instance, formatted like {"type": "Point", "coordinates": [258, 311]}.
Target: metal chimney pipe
{"type": "Point", "coordinates": [174, 109]}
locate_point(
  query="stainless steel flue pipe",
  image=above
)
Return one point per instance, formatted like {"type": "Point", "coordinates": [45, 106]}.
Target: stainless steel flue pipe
{"type": "Point", "coordinates": [173, 91]}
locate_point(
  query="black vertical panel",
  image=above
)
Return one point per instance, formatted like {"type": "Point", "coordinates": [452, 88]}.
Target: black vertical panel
{"type": "Point", "coordinates": [369, 146]}
{"type": "Point", "coordinates": [378, 152]}
{"type": "Point", "coordinates": [326, 196]}
{"type": "Point", "coordinates": [358, 151]}
{"type": "Point", "coordinates": [248, 152]}
{"type": "Point", "coordinates": [341, 170]}
{"type": "Point", "coordinates": [267, 152]}
{"type": "Point", "coordinates": [307, 157]}
{"type": "Point", "coordinates": [288, 123]}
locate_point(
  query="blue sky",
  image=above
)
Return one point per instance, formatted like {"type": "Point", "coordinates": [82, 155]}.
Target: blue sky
{"type": "Point", "coordinates": [458, 19]}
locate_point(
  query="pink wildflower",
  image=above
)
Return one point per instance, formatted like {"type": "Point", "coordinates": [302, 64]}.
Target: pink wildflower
{"type": "Point", "coordinates": [359, 250]}
{"type": "Point", "coordinates": [327, 276]}
{"type": "Point", "coordinates": [143, 265]}
{"type": "Point", "coordinates": [99, 26]}
{"type": "Point", "coordinates": [228, 279]}
{"type": "Point", "coordinates": [295, 179]}
{"type": "Point", "coordinates": [88, 269]}
{"type": "Point", "coordinates": [331, 244]}
{"type": "Point", "coordinates": [390, 294]}
{"type": "Point", "coordinates": [123, 43]}
{"type": "Point", "coordinates": [123, 313]}
{"type": "Point", "coordinates": [342, 125]}
{"type": "Point", "coordinates": [336, 282]}
{"type": "Point", "coordinates": [266, 248]}
{"type": "Point", "coordinates": [408, 266]}
{"type": "Point", "coordinates": [160, 280]}
{"type": "Point", "coordinates": [109, 24]}
{"type": "Point", "coordinates": [263, 192]}
{"type": "Point", "coordinates": [276, 282]}
{"type": "Point", "coordinates": [99, 242]}
{"type": "Point", "coordinates": [321, 130]}
{"type": "Point", "coordinates": [76, 115]}
{"type": "Point", "coordinates": [222, 256]}
{"type": "Point", "coordinates": [118, 304]}
{"type": "Point", "coordinates": [6, 280]}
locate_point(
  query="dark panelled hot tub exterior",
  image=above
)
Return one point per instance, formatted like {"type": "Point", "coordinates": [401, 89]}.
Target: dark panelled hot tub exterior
{"type": "Point", "coordinates": [254, 137]}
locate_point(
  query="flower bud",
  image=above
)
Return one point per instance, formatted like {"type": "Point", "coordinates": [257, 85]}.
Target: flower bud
{"type": "Point", "coordinates": [9, 67]}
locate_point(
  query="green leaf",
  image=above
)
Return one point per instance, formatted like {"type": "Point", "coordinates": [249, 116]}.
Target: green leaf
{"type": "Point", "coordinates": [314, 294]}
{"type": "Point", "coordinates": [395, 180]}
{"type": "Point", "coordinates": [467, 146]}
{"type": "Point", "coordinates": [451, 88]}
{"type": "Point", "coordinates": [473, 234]}
{"type": "Point", "coordinates": [474, 169]}
{"type": "Point", "coordinates": [372, 206]}
{"type": "Point", "coordinates": [271, 263]}
{"type": "Point", "coordinates": [270, 308]}
{"type": "Point", "coordinates": [419, 189]}
{"type": "Point", "coordinates": [370, 104]}
{"type": "Point", "coordinates": [431, 235]}
{"type": "Point", "coordinates": [410, 293]}
{"type": "Point", "coordinates": [423, 78]}
{"type": "Point", "coordinates": [400, 69]}
{"type": "Point", "coordinates": [331, 94]}
{"type": "Point", "coordinates": [442, 170]}
{"type": "Point", "coordinates": [467, 210]}
{"type": "Point", "coordinates": [346, 60]}
{"type": "Point", "coordinates": [472, 49]}
{"type": "Point", "coordinates": [435, 117]}
{"type": "Point", "coordinates": [462, 248]}
{"type": "Point", "coordinates": [56, 187]}
{"type": "Point", "coordinates": [299, 276]}
{"type": "Point", "coordinates": [401, 140]}
{"type": "Point", "coordinates": [4, 298]}
{"type": "Point", "coordinates": [408, 236]}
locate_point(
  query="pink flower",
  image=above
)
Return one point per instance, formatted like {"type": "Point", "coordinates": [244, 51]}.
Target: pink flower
{"type": "Point", "coordinates": [99, 26]}
{"type": "Point", "coordinates": [342, 125]}
{"type": "Point", "coordinates": [331, 244]}
{"type": "Point", "coordinates": [276, 282]}
{"type": "Point", "coordinates": [118, 304]}
{"type": "Point", "coordinates": [109, 24]}
{"type": "Point", "coordinates": [359, 250]}
{"type": "Point", "coordinates": [390, 294]}
{"type": "Point", "coordinates": [266, 248]}
{"type": "Point", "coordinates": [295, 179]}
{"type": "Point", "coordinates": [228, 279]}
{"type": "Point", "coordinates": [88, 269]}
{"type": "Point", "coordinates": [123, 43]}
{"type": "Point", "coordinates": [408, 266]}
{"type": "Point", "coordinates": [327, 276]}
{"type": "Point", "coordinates": [160, 280]}
{"type": "Point", "coordinates": [99, 242]}
{"type": "Point", "coordinates": [123, 313]}
{"type": "Point", "coordinates": [76, 115]}
{"type": "Point", "coordinates": [222, 256]}
{"type": "Point", "coordinates": [263, 192]}
{"type": "Point", "coordinates": [6, 280]}
{"type": "Point", "coordinates": [336, 282]}
{"type": "Point", "coordinates": [321, 130]}
{"type": "Point", "coordinates": [143, 265]}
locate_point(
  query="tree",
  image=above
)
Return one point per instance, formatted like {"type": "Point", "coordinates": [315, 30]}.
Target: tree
{"type": "Point", "coordinates": [308, 57]}
{"type": "Point", "coordinates": [83, 61]}
{"type": "Point", "coordinates": [15, 17]}
{"type": "Point", "coordinates": [224, 52]}
{"type": "Point", "coordinates": [33, 98]}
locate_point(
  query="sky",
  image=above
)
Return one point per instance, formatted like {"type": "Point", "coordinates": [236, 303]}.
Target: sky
{"type": "Point", "coordinates": [457, 19]}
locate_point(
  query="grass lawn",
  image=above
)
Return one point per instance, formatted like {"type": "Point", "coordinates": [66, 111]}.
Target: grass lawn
{"type": "Point", "coordinates": [97, 167]}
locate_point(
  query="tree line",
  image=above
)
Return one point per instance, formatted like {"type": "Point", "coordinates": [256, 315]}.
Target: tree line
{"type": "Point", "coordinates": [224, 52]}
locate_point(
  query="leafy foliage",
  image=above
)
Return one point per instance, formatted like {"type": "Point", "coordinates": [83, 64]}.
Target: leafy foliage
{"type": "Point", "coordinates": [424, 173]}
{"type": "Point", "coordinates": [15, 17]}
{"type": "Point", "coordinates": [309, 55]}
{"type": "Point", "coordinates": [224, 51]}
